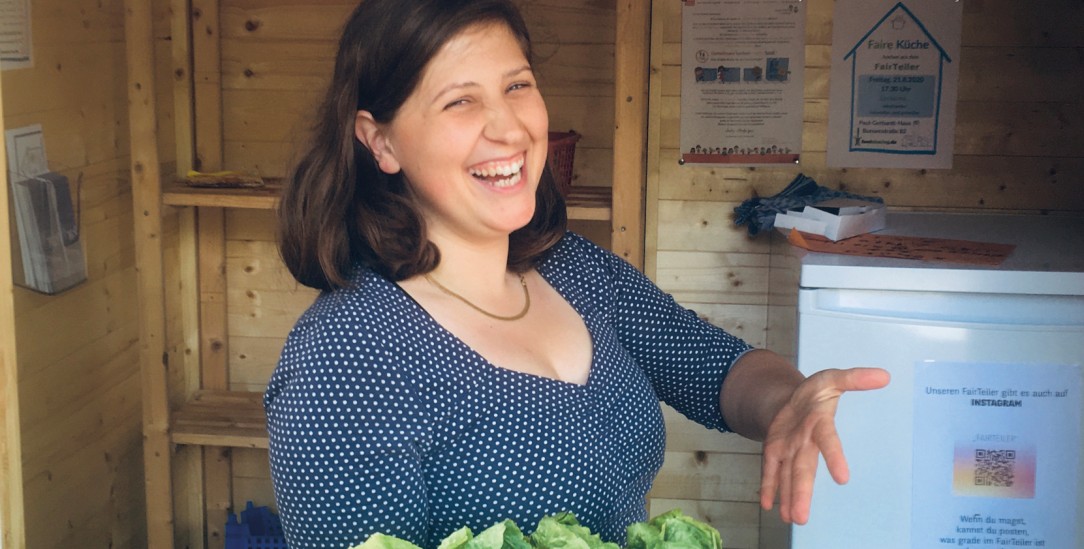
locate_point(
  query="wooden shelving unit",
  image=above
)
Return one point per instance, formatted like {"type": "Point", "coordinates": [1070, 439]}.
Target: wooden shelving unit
{"type": "Point", "coordinates": [212, 416]}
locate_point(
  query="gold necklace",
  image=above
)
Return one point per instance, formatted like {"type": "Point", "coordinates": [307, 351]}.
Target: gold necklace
{"type": "Point", "coordinates": [517, 316]}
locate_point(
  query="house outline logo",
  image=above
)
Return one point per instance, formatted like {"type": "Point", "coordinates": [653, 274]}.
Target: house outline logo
{"type": "Point", "coordinates": [899, 22]}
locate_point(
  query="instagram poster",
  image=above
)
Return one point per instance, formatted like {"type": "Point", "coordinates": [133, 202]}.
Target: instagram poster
{"type": "Point", "coordinates": [742, 65]}
{"type": "Point", "coordinates": [997, 455]}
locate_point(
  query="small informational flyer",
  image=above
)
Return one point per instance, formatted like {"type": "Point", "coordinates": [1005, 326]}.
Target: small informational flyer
{"type": "Point", "coordinates": [894, 80]}
{"type": "Point", "coordinates": [742, 65]}
{"type": "Point", "coordinates": [997, 455]}
{"type": "Point", "coordinates": [15, 34]}
{"type": "Point", "coordinates": [46, 219]}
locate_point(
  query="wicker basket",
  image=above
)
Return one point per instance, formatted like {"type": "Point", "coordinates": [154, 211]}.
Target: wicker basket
{"type": "Point", "coordinates": [561, 152]}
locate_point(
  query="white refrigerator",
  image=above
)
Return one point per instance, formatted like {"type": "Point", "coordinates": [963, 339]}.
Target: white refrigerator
{"type": "Point", "coordinates": [977, 440]}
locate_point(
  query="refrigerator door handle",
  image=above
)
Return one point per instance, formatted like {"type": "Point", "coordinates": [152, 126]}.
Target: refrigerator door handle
{"type": "Point", "coordinates": [999, 311]}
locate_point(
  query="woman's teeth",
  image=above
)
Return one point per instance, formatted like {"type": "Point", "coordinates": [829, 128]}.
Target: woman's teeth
{"type": "Point", "coordinates": [506, 182]}
{"type": "Point", "coordinates": [500, 175]}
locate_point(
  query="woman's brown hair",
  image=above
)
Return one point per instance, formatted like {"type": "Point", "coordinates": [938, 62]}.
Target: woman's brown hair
{"type": "Point", "coordinates": [338, 209]}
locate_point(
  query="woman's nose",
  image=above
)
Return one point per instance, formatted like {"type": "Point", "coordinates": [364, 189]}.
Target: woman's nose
{"type": "Point", "coordinates": [503, 123]}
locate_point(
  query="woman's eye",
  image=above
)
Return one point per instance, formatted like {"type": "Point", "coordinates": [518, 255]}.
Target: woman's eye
{"type": "Point", "coordinates": [456, 103]}
{"type": "Point", "coordinates": [519, 86]}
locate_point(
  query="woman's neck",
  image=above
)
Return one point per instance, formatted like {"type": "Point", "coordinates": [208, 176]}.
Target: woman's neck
{"type": "Point", "coordinates": [478, 267]}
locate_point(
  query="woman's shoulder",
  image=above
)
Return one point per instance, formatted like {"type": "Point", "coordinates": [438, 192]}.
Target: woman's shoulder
{"type": "Point", "coordinates": [575, 250]}
{"type": "Point", "coordinates": [582, 271]}
{"type": "Point", "coordinates": [353, 336]}
{"type": "Point", "coordinates": [581, 259]}
{"type": "Point", "coordinates": [369, 313]}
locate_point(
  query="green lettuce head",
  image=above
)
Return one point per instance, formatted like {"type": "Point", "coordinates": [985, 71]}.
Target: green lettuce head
{"type": "Point", "coordinates": [672, 530]}
{"type": "Point", "coordinates": [563, 531]}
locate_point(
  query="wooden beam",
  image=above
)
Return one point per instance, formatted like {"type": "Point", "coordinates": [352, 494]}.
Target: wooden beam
{"type": "Point", "coordinates": [217, 485]}
{"type": "Point", "coordinates": [146, 203]}
{"type": "Point", "coordinates": [183, 84]}
{"type": "Point", "coordinates": [654, 124]}
{"type": "Point", "coordinates": [207, 71]}
{"type": "Point", "coordinates": [214, 347]}
{"type": "Point", "coordinates": [188, 505]}
{"type": "Point", "coordinates": [630, 126]}
{"type": "Point", "coordinates": [12, 521]}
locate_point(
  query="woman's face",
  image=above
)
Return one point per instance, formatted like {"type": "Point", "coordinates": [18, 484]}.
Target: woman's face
{"type": "Point", "coordinates": [471, 139]}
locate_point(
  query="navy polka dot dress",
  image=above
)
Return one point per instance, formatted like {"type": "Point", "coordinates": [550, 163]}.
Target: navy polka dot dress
{"type": "Point", "coordinates": [382, 421]}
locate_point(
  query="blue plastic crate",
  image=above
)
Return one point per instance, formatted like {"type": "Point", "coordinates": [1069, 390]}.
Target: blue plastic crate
{"type": "Point", "coordinates": [258, 528]}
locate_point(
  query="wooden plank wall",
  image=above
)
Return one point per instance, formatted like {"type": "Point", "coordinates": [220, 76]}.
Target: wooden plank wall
{"type": "Point", "coordinates": [12, 523]}
{"type": "Point", "coordinates": [1019, 148]}
{"type": "Point", "coordinates": [277, 55]}
{"type": "Point", "coordinates": [79, 383]}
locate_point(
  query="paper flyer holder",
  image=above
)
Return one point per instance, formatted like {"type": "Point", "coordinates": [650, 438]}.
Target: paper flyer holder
{"type": "Point", "coordinates": [51, 253]}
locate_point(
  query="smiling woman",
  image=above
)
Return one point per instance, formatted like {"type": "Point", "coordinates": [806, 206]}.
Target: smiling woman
{"type": "Point", "coordinates": [469, 361]}
{"type": "Point", "coordinates": [340, 207]}
{"type": "Point", "coordinates": [471, 139]}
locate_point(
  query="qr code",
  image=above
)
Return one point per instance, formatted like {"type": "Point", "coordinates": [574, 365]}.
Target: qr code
{"type": "Point", "coordinates": [994, 467]}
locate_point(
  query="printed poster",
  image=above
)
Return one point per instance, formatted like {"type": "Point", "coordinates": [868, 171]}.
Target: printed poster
{"type": "Point", "coordinates": [742, 64]}
{"type": "Point", "coordinates": [894, 80]}
{"type": "Point", "coordinates": [997, 455]}
{"type": "Point", "coordinates": [15, 34]}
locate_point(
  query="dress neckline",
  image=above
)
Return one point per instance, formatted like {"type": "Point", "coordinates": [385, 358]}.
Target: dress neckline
{"type": "Point", "coordinates": [432, 323]}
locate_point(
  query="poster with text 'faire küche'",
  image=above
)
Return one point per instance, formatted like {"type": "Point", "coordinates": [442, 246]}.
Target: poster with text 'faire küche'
{"type": "Point", "coordinates": [894, 80]}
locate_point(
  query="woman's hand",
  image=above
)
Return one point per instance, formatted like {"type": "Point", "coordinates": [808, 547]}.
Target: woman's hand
{"type": "Point", "coordinates": [804, 428]}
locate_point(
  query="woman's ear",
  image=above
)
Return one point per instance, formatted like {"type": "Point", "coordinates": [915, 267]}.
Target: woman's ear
{"type": "Point", "coordinates": [371, 134]}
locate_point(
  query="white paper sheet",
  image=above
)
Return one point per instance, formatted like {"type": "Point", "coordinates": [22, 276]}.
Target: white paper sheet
{"type": "Point", "coordinates": [894, 79]}
{"type": "Point", "coordinates": [996, 455]}
{"type": "Point", "coordinates": [742, 78]}
{"type": "Point", "coordinates": [15, 43]}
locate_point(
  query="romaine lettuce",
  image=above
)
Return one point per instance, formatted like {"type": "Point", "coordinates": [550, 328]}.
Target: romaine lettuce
{"type": "Point", "coordinates": [671, 530]}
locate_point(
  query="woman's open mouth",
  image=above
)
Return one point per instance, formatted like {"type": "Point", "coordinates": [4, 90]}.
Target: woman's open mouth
{"type": "Point", "coordinates": [499, 174]}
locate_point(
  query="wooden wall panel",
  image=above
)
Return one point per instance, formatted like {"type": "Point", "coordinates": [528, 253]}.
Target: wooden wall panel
{"type": "Point", "coordinates": [253, 479]}
{"type": "Point", "coordinates": [263, 299]}
{"type": "Point", "coordinates": [1019, 148]}
{"type": "Point", "coordinates": [12, 516]}
{"type": "Point", "coordinates": [709, 277]}
{"type": "Point", "coordinates": [77, 356]}
{"type": "Point", "coordinates": [709, 476]}
{"type": "Point", "coordinates": [278, 54]}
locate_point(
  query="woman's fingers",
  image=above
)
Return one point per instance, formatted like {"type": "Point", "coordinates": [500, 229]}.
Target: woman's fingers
{"type": "Point", "coordinates": [805, 472]}
{"type": "Point", "coordinates": [861, 379]}
{"type": "Point", "coordinates": [786, 477]}
{"type": "Point", "coordinates": [769, 482]}
{"type": "Point", "coordinates": [832, 449]}
{"type": "Point", "coordinates": [803, 431]}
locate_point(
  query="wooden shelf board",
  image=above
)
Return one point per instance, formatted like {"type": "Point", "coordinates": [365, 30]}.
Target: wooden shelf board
{"type": "Point", "coordinates": [590, 203]}
{"type": "Point", "coordinates": [221, 418]}
{"type": "Point", "coordinates": [584, 203]}
{"type": "Point", "coordinates": [260, 198]}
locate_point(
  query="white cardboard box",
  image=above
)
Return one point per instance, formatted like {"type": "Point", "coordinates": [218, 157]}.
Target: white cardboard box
{"type": "Point", "coordinates": [835, 219]}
